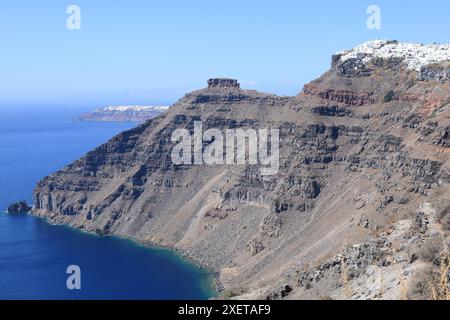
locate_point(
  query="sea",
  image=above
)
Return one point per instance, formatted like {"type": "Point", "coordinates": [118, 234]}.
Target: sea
{"type": "Point", "coordinates": [36, 257]}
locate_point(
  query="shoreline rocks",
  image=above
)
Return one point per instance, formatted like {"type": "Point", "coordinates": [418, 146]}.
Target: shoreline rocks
{"type": "Point", "coordinates": [19, 207]}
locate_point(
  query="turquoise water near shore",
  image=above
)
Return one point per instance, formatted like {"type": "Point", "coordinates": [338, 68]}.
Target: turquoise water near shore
{"type": "Point", "coordinates": [34, 254]}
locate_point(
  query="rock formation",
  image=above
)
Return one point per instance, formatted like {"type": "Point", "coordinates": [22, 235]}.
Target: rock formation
{"type": "Point", "coordinates": [19, 207]}
{"type": "Point", "coordinates": [223, 83]}
{"type": "Point", "coordinates": [361, 194]}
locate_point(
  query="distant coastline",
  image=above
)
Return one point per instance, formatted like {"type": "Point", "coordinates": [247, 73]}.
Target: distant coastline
{"type": "Point", "coordinates": [139, 271]}
{"type": "Point", "coordinates": [123, 113]}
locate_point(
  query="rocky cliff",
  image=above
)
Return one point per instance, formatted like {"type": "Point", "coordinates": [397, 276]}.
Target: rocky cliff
{"type": "Point", "coordinates": [358, 209]}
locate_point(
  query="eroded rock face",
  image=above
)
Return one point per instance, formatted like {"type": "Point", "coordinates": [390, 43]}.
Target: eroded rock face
{"type": "Point", "coordinates": [341, 96]}
{"type": "Point", "coordinates": [435, 72]}
{"type": "Point", "coordinates": [351, 164]}
{"type": "Point", "coordinates": [223, 83]}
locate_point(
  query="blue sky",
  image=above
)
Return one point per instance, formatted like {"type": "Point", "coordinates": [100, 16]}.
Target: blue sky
{"type": "Point", "coordinates": [145, 52]}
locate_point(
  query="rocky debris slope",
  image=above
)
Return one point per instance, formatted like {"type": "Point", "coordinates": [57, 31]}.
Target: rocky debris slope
{"type": "Point", "coordinates": [360, 151]}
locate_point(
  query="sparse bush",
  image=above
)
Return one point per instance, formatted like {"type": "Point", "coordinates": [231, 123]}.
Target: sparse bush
{"type": "Point", "coordinates": [389, 96]}
{"type": "Point", "coordinates": [443, 214]}
{"type": "Point", "coordinates": [419, 288]}
{"type": "Point", "coordinates": [433, 282]}
{"type": "Point", "coordinates": [346, 289]}
{"type": "Point", "coordinates": [440, 286]}
{"type": "Point", "coordinates": [228, 294]}
{"type": "Point", "coordinates": [231, 293]}
{"type": "Point", "coordinates": [430, 250]}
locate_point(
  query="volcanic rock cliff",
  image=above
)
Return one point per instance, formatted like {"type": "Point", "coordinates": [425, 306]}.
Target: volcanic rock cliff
{"type": "Point", "coordinates": [358, 209]}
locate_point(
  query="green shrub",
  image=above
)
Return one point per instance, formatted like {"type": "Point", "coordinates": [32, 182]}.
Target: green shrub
{"type": "Point", "coordinates": [389, 96]}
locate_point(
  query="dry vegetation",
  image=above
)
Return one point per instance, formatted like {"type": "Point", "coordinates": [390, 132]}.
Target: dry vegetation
{"type": "Point", "coordinates": [439, 284]}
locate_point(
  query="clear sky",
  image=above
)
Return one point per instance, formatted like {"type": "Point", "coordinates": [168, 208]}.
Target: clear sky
{"type": "Point", "coordinates": [146, 52]}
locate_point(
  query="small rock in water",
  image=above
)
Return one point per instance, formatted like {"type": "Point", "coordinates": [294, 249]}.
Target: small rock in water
{"type": "Point", "coordinates": [19, 207]}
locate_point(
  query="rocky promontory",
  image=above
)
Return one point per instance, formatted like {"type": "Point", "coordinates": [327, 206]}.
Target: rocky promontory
{"type": "Point", "coordinates": [361, 193]}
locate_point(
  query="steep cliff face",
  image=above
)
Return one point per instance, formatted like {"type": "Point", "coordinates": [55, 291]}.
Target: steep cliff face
{"type": "Point", "coordinates": [361, 189]}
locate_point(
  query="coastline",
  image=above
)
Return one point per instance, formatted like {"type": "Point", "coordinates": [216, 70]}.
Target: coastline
{"type": "Point", "coordinates": [214, 286]}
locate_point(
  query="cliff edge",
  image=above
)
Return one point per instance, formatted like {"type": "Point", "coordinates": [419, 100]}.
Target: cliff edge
{"type": "Point", "coordinates": [361, 193]}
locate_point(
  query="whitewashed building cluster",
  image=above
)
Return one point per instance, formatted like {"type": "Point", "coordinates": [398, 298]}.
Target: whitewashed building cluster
{"type": "Point", "coordinates": [135, 108]}
{"type": "Point", "coordinates": [415, 55]}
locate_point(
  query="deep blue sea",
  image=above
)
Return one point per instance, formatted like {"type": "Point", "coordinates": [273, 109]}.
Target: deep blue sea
{"type": "Point", "coordinates": [34, 255]}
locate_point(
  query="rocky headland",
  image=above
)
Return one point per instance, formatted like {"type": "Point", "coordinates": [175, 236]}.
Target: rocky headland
{"type": "Point", "coordinates": [358, 210]}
